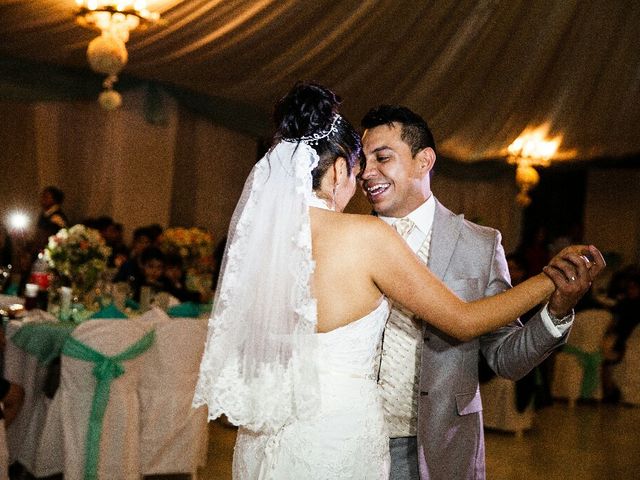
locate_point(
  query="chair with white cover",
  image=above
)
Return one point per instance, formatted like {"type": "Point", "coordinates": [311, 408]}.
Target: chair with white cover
{"type": "Point", "coordinates": [25, 434]}
{"type": "Point", "coordinates": [499, 410]}
{"type": "Point", "coordinates": [102, 361]}
{"type": "Point", "coordinates": [576, 372]}
{"type": "Point", "coordinates": [4, 453]}
{"type": "Point", "coordinates": [625, 374]}
{"type": "Point", "coordinates": [174, 436]}
{"type": "Point", "coordinates": [154, 316]}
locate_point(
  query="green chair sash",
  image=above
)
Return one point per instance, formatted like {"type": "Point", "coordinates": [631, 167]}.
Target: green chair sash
{"type": "Point", "coordinates": [589, 362]}
{"type": "Point", "coordinates": [106, 369]}
{"type": "Point", "coordinates": [43, 340]}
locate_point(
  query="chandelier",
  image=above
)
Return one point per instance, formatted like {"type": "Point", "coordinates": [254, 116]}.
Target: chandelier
{"type": "Point", "coordinates": [107, 53]}
{"type": "Point", "coordinates": [531, 149]}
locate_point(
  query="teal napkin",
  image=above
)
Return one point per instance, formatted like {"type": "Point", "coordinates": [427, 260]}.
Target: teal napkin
{"type": "Point", "coordinates": [110, 311]}
{"type": "Point", "coordinates": [132, 304]}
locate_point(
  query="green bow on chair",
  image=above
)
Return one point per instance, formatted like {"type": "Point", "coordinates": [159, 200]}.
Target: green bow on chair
{"type": "Point", "coordinates": [106, 369]}
{"type": "Point", "coordinates": [589, 362]}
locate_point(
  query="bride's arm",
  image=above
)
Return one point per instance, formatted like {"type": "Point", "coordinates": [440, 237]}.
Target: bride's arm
{"type": "Point", "coordinates": [399, 274]}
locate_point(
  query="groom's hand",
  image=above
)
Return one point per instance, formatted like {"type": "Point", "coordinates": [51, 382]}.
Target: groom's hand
{"type": "Point", "coordinates": [572, 272]}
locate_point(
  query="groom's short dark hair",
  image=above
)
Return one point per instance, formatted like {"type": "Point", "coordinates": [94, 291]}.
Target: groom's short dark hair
{"type": "Point", "coordinates": [415, 131]}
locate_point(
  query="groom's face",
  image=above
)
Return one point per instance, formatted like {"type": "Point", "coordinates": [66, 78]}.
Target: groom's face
{"type": "Point", "coordinates": [392, 180]}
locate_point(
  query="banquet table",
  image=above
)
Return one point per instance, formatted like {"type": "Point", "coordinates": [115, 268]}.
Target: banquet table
{"type": "Point", "coordinates": [30, 360]}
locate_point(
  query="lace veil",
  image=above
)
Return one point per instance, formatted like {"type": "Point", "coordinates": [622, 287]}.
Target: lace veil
{"type": "Point", "coordinates": [259, 366]}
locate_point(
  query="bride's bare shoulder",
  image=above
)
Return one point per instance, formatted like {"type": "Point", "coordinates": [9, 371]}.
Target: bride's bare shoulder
{"type": "Point", "coordinates": [365, 226]}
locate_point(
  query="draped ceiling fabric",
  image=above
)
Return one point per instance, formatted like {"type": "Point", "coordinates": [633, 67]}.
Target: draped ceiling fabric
{"type": "Point", "coordinates": [479, 71]}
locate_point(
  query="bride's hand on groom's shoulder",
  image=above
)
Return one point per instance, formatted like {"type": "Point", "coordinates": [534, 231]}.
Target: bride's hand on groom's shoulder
{"type": "Point", "coordinates": [572, 271]}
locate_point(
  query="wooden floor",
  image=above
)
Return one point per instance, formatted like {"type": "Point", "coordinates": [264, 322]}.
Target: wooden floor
{"type": "Point", "coordinates": [589, 442]}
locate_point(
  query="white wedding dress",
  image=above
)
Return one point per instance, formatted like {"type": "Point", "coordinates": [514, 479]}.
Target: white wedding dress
{"type": "Point", "coordinates": [346, 438]}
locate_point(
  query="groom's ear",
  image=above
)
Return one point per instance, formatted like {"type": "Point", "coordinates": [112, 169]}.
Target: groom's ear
{"type": "Point", "coordinates": [427, 159]}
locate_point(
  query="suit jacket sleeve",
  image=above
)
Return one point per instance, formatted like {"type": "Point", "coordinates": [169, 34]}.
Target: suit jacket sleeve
{"type": "Point", "coordinates": [514, 350]}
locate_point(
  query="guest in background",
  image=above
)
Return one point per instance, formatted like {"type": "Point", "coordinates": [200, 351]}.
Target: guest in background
{"type": "Point", "coordinates": [6, 247]}
{"type": "Point", "coordinates": [626, 317]}
{"type": "Point", "coordinates": [130, 271]}
{"type": "Point", "coordinates": [152, 273]}
{"type": "Point", "coordinates": [176, 280]}
{"type": "Point", "coordinates": [155, 231]}
{"type": "Point", "coordinates": [218, 253]}
{"type": "Point", "coordinates": [112, 234]}
{"type": "Point", "coordinates": [51, 218]}
{"type": "Point", "coordinates": [535, 250]}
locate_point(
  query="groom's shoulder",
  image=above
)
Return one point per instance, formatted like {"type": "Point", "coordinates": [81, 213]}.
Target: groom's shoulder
{"type": "Point", "coordinates": [479, 230]}
{"type": "Point", "coordinates": [469, 227]}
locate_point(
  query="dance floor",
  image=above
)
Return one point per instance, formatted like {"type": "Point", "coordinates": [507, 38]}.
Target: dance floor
{"type": "Point", "coordinates": [589, 442]}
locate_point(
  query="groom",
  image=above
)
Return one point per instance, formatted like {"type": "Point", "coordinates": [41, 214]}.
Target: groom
{"type": "Point", "coordinates": [429, 381]}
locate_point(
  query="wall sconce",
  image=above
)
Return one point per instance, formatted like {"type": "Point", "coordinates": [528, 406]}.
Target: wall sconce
{"type": "Point", "coordinates": [107, 53]}
{"type": "Point", "coordinates": [531, 149]}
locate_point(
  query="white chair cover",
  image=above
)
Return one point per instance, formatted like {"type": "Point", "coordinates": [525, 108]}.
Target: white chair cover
{"type": "Point", "coordinates": [154, 316]}
{"type": "Point", "coordinates": [626, 375]}
{"type": "Point", "coordinates": [4, 453]}
{"type": "Point", "coordinates": [499, 407]}
{"type": "Point", "coordinates": [174, 436]}
{"type": "Point", "coordinates": [586, 335]}
{"type": "Point", "coordinates": [24, 434]}
{"type": "Point", "coordinates": [119, 447]}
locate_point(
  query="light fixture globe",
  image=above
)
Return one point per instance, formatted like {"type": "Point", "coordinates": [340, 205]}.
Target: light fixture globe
{"type": "Point", "coordinates": [110, 100]}
{"type": "Point", "coordinates": [107, 54]}
{"type": "Point", "coordinates": [527, 176]}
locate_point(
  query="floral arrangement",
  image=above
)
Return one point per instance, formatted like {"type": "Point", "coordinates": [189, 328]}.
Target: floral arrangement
{"type": "Point", "coordinates": [193, 245]}
{"type": "Point", "coordinates": [78, 255]}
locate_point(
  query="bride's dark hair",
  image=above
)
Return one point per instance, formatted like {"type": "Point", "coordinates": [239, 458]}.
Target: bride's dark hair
{"type": "Point", "coordinates": [310, 108]}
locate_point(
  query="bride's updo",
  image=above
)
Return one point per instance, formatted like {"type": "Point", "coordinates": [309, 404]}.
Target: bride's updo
{"type": "Point", "coordinates": [310, 109]}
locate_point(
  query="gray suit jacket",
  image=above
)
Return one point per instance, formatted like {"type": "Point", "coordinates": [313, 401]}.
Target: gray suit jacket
{"type": "Point", "coordinates": [470, 259]}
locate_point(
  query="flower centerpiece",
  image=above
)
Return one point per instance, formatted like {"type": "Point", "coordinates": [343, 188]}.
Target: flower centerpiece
{"type": "Point", "coordinates": [77, 256]}
{"type": "Point", "coordinates": [195, 247]}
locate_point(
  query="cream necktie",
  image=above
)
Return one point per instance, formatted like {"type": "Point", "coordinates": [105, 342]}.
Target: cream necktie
{"type": "Point", "coordinates": [404, 226]}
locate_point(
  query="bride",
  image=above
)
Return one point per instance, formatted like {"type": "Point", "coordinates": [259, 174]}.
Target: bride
{"type": "Point", "coordinates": [302, 302]}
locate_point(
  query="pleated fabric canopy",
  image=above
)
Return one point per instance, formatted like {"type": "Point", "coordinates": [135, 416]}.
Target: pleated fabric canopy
{"type": "Point", "coordinates": [480, 72]}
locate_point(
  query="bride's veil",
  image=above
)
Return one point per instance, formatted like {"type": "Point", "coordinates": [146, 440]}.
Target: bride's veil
{"type": "Point", "coordinates": [259, 367]}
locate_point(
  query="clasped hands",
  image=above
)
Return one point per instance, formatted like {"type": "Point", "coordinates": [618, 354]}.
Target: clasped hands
{"type": "Point", "coordinates": [572, 271]}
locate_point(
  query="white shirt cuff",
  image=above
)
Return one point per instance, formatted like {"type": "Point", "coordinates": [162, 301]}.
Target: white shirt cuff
{"type": "Point", "coordinates": [556, 330]}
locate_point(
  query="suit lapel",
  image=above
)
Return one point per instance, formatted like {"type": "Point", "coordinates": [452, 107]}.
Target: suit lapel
{"type": "Point", "coordinates": [444, 236]}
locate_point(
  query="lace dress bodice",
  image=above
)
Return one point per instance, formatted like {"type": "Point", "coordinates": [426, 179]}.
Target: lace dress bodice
{"type": "Point", "coordinates": [346, 438]}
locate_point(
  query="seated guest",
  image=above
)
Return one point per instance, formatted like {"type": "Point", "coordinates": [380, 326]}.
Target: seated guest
{"type": "Point", "coordinates": [130, 271]}
{"type": "Point", "coordinates": [152, 273]}
{"type": "Point", "coordinates": [218, 253]}
{"type": "Point", "coordinates": [155, 232]}
{"type": "Point", "coordinates": [111, 232]}
{"type": "Point", "coordinates": [176, 280]}
{"type": "Point", "coordinates": [6, 247]}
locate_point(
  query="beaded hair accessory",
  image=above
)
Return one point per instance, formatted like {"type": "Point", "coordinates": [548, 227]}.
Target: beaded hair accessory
{"type": "Point", "coordinates": [315, 137]}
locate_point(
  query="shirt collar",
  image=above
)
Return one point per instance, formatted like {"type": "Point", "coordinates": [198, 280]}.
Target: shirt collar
{"type": "Point", "coordinates": [421, 216]}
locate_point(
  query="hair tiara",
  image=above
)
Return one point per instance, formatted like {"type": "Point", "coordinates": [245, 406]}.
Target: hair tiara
{"type": "Point", "coordinates": [317, 136]}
